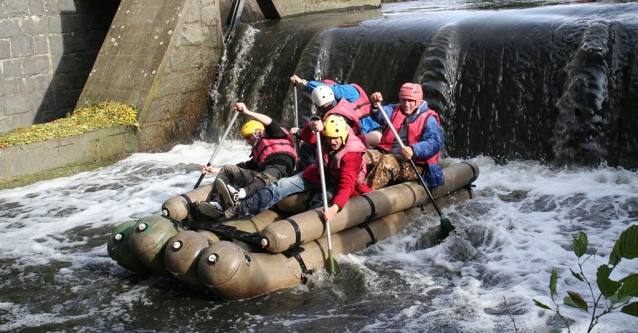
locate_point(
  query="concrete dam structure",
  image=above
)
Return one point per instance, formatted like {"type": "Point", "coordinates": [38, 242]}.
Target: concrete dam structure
{"type": "Point", "coordinates": [159, 56]}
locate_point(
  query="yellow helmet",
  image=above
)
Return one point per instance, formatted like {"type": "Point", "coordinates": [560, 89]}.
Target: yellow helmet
{"type": "Point", "coordinates": [250, 127]}
{"type": "Point", "coordinates": [335, 127]}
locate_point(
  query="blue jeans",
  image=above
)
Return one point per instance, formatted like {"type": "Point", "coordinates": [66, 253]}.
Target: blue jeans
{"type": "Point", "coordinates": [270, 195]}
{"type": "Point", "coordinates": [307, 155]}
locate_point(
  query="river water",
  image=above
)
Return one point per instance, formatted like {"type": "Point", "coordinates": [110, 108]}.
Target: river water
{"type": "Point", "coordinates": [56, 276]}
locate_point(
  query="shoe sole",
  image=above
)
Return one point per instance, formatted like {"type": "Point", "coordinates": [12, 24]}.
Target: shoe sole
{"type": "Point", "coordinates": [208, 210]}
{"type": "Point", "coordinates": [222, 189]}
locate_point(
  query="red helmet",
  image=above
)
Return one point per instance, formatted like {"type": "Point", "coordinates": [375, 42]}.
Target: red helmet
{"type": "Point", "coordinates": [412, 91]}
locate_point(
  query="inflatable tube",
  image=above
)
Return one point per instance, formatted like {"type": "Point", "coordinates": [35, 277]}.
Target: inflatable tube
{"type": "Point", "coordinates": [233, 273]}
{"type": "Point", "coordinates": [254, 224]}
{"type": "Point", "coordinates": [297, 203]}
{"type": "Point", "coordinates": [119, 250]}
{"type": "Point", "coordinates": [183, 250]}
{"type": "Point", "coordinates": [182, 254]}
{"type": "Point", "coordinates": [179, 206]}
{"type": "Point", "coordinates": [308, 226]}
{"type": "Point", "coordinates": [148, 241]}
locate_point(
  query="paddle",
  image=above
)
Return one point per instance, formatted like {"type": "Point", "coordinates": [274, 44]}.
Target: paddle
{"type": "Point", "coordinates": [296, 120]}
{"type": "Point", "coordinates": [446, 224]}
{"type": "Point", "coordinates": [331, 264]}
{"type": "Point", "coordinates": [232, 121]}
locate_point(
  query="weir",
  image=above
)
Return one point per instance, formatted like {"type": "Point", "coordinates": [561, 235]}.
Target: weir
{"type": "Point", "coordinates": [159, 56]}
{"type": "Point", "coordinates": [554, 83]}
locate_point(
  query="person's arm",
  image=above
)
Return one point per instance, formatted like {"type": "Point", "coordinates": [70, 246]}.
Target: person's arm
{"type": "Point", "coordinates": [307, 134]}
{"type": "Point", "coordinates": [431, 140]}
{"type": "Point", "coordinates": [378, 117]}
{"type": "Point", "coordinates": [345, 91]}
{"type": "Point", "coordinates": [262, 118]}
{"type": "Point", "coordinates": [250, 165]}
{"type": "Point", "coordinates": [304, 83]}
{"type": "Point", "coordinates": [209, 170]}
{"type": "Point", "coordinates": [273, 130]}
{"type": "Point", "coordinates": [341, 91]}
{"type": "Point", "coordinates": [350, 169]}
{"type": "Point", "coordinates": [375, 99]}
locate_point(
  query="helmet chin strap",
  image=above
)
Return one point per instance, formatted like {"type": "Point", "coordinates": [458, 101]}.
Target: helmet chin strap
{"type": "Point", "coordinates": [257, 137]}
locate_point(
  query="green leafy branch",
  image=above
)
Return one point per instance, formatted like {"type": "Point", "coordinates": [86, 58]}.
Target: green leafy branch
{"type": "Point", "coordinates": [613, 295]}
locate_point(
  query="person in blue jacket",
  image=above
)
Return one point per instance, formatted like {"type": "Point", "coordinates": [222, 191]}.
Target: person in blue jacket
{"type": "Point", "coordinates": [419, 128]}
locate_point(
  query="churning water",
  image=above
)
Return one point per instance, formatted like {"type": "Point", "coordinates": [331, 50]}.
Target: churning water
{"type": "Point", "coordinates": [56, 276]}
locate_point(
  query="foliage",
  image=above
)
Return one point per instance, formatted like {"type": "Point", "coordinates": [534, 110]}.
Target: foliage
{"type": "Point", "coordinates": [613, 295]}
{"type": "Point", "coordinates": [92, 117]}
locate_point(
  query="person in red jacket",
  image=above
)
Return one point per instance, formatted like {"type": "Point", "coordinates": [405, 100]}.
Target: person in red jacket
{"type": "Point", "coordinates": [273, 156]}
{"type": "Point", "coordinates": [343, 154]}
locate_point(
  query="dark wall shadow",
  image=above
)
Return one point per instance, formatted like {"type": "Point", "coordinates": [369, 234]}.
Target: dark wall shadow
{"type": "Point", "coordinates": [83, 32]}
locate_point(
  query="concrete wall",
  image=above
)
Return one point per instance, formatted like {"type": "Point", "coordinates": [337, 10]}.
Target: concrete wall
{"type": "Point", "coordinates": [160, 56]}
{"type": "Point", "coordinates": [275, 9]}
{"type": "Point", "coordinates": [47, 48]}
{"type": "Point", "coordinates": [22, 165]}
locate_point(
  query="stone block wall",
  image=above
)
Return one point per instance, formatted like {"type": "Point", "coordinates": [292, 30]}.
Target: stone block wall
{"type": "Point", "coordinates": [47, 49]}
{"type": "Point", "coordinates": [22, 165]}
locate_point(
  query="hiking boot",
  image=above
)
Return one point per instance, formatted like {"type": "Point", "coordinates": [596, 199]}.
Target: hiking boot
{"type": "Point", "coordinates": [211, 208]}
{"type": "Point", "coordinates": [228, 193]}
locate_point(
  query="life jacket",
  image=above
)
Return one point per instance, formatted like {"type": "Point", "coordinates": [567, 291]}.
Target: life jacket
{"type": "Point", "coordinates": [268, 146]}
{"type": "Point", "coordinates": [344, 108]}
{"type": "Point", "coordinates": [361, 106]}
{"type": "Point", "coordinates": [333, 161]}
{"type": "Point", "coordinates": [415, 131]}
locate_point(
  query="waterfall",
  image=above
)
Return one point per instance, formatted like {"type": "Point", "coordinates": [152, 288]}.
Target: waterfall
{"type": "Point", "coordinates": [554, 84]}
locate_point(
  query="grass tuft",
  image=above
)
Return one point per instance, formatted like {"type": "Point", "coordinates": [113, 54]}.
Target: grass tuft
{"type": "Point", "coordinates": [92, 117]}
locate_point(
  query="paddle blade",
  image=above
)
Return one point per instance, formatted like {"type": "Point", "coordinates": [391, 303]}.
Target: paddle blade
{"type": "Point", "coordinates": [331, 265]}
{"type": "Point", "coordinates": [446, 227]}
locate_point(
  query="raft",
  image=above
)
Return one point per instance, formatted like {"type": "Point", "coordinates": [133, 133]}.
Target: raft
{"type": "Point", "coordinates": [279, 248]}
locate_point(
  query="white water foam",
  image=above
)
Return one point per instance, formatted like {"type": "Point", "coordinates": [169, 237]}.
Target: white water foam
{"type": "Point", "coordinates": [511, 236]}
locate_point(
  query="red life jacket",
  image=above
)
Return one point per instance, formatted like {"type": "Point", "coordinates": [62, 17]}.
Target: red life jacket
{"type": "Point", "coordinates": [415, 131]}
{"type": "Point", "coordinates": [361, 106]}
{"type": "Point", "coordinates": [268, 146]}
{"type": "Point", "coordinates": [344, 108]}
{"type": "Point", "coordinates": [333, 161]}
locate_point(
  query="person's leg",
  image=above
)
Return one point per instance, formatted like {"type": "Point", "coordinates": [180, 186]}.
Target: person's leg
{"type": "Point", "coordinates": [270, 195]}
{"type": "Point", "coordinates": [228, 182]}
{"type": "Point", "coordinates": [372, 158]}
{"type": "Point", "coordinates": [238, 177]}
{"type": "Point", "coordinates": [391, 169]}
{"type": "Point", "coordinates": [406, 170]}
{"type": "Point", "coordinates": [373, 138]}
{"type": "Point", "coordinates": [270, 175]}
{"type": "Point", "coordinates": [230, 174]}
{"type": "Point", "coordinates": [331, 190]}
{"type": "Point", "coordinates": [307, 154]}
{"type": "Point", "coordinates": [383, 172]}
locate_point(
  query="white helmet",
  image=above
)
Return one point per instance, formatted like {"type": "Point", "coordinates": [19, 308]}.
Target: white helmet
{"type": "Point", "coordinates": [322, 95]}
